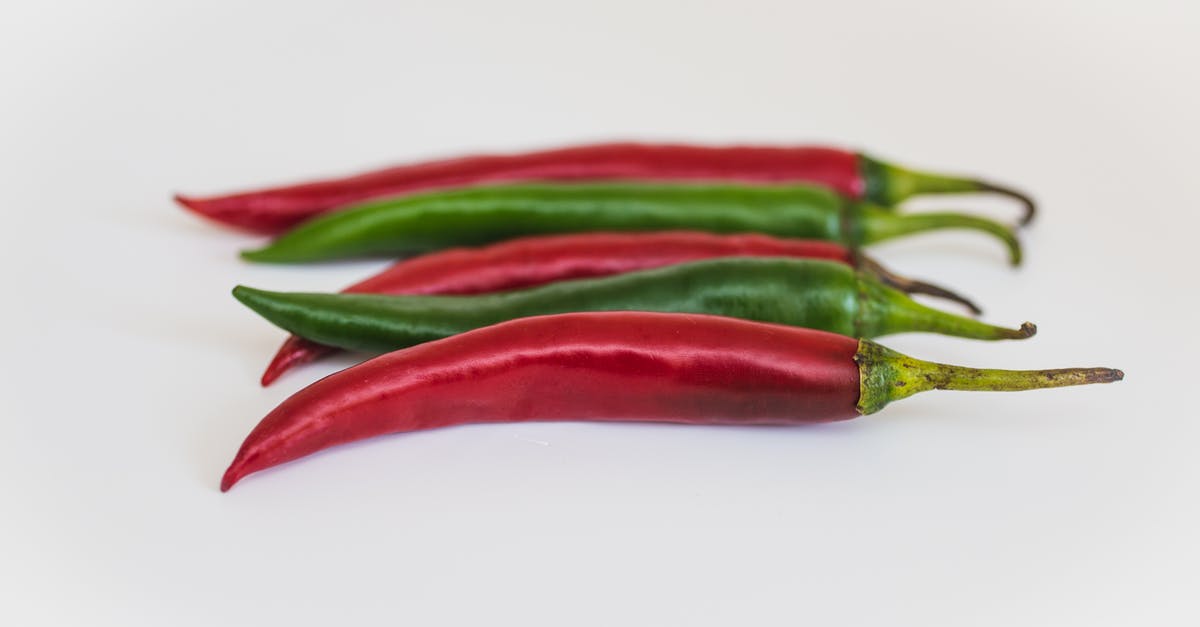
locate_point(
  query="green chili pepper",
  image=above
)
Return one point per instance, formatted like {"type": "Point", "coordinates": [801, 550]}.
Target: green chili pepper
{"type": "Point", "coordinates": [799, 292]}
{"type": "Point", "coordinates": [480, 215]}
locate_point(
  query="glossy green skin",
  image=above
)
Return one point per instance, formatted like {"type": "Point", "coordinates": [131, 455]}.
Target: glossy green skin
{"type": "Point", "coordinates": [481, 215]}
{"type": "Point", "coordinates": [807, 293]}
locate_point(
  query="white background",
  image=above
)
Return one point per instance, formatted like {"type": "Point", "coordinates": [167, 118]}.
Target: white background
{"type": "Point", "coordinates": [129, 375]}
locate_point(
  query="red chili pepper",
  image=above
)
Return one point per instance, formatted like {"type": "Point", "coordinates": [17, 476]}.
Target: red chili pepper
{"type": "Point", "coordinates": [538, 260]}
{"type": "Point", "coordinates": [274, 210]}
{"type": "Point", "coordinates": [614, 366]}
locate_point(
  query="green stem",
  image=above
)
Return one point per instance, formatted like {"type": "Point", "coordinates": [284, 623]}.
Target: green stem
{"type": "Point", "coordinates": [913, 286]}
{"type": "Point", "coordinates": [876, 225]}
{"type": "Point", "coordinates": [885, 310]}
{"type": "Point", "coordinates": [890, 184]}
{"type": "Point", "coordinates": [887, 376]}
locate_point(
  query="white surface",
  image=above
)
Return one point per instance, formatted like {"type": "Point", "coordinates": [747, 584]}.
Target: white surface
{"type": "Point", "coordinates": [129, 373]}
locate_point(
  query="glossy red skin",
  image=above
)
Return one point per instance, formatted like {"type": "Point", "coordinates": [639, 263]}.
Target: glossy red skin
{"type": "Point", "coordinates": [274, 210]}
{"type": "Point", "coordinates": [599, 366]}
{"type": "Point", "coordinates": [538, 260]}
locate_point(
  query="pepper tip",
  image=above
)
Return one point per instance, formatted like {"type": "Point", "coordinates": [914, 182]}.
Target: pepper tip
{"type": "Point", "coordinates": [229, 478]}
{"type": "Point", "coordinates": [269, 376]}
{"type": "Point", "coordinates": [187, 202]}
{"type": "Point", "coordinates": [243, 294]}
{"type": "Point", "coordinates": [251, 254]}
{"type": "Point", "coordinates": [202, 207]}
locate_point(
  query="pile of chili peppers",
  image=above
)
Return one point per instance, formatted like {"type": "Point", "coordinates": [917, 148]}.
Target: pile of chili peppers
{"type": "Point", "coordinates": [709, 285]}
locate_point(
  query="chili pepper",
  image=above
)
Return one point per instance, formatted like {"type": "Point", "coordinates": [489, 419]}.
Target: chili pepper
{"type": "Point", "coordinates": [855, 175]}
{"type": "Point", "coordinates": [480, 215]}
{"type": "Point", "coordinates": [802, 292]}
{"type": "Point", "coordinates": [615, 366]}
{"type": "Point", "coordinates": [536, 261]}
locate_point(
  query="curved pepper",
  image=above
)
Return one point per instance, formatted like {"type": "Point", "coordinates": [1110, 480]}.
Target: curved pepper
{"type": "Point", "coordinates": [854, 175]}
{"type": "Point", "coordinates": [481, 215]}
{"type": "Point", "coordinates": [615, 366]}
{"type": "Point", "coordinates": [800, 292]}
{"type": "Point", "coordinates": [535, 261]}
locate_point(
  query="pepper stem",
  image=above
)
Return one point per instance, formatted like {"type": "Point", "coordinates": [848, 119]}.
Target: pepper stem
{"type": "Point", "coordinates": [890, 184]}
{"type": "Point", "coordinates": [877, 225]}
{"type": "Point", "coordinates": [886, 376]}
{"type": "Point", "coordinates": [1030, 209]}
{"type": "Point", "coordinates": [913, 286]}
